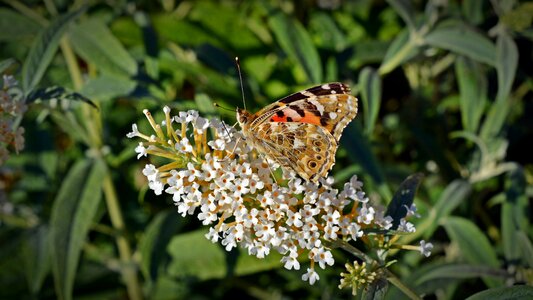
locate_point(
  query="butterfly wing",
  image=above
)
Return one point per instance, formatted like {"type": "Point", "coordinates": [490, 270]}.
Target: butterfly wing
{"type": "Point", "coordinates": [301, 131]}
{"type": "Point", "coordinates": [327, 105]}
{"type": "Point", "coordinates": [307, 149]}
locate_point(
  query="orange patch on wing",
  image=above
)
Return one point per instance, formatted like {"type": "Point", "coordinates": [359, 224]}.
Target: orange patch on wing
{"type": "Point", "coordinates": [279, 119]}
{"type": "Point", "coordinates": [310, 118]}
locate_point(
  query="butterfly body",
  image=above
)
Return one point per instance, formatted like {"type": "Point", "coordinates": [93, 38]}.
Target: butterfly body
{"type": "Point", "coordinates": [301, 132]}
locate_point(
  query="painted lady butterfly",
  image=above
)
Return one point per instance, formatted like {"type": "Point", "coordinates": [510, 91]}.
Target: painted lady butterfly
{"type": "Point", "coordinates": [301, 132]}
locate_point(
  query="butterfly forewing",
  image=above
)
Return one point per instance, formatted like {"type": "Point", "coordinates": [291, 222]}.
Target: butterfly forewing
{"type": "Point", "coordinates": [301, 131]}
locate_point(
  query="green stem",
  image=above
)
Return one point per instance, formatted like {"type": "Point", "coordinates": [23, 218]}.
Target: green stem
{"type": "Point", "coordinates": [129, 270]}
{"type": "Point", "coordinates": [401, 286]}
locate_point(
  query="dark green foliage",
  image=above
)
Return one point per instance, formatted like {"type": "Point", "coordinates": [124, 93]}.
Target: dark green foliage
{"type": "Point", "coordinates": [444, 90]}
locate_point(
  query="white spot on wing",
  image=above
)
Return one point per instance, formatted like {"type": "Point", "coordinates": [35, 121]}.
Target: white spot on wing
{"type": "Point", "coordinates": [298, 144]}
{"type": "Point", "coordinates": [332, 115]}
{"type": "Point", "coordinates": [326, 86]}
{"type": "Point", "coordinates": [319, 107]}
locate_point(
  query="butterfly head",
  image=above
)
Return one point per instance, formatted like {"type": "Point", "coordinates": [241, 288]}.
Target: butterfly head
{"type": "Point", "coordinates": [243, 116]}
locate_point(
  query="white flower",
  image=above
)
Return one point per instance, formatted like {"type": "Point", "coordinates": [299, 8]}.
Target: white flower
{"type": "Point", "coordinates": [140, 150]}
{"type": "Point", "coordinates": [201, 124]}
{"type": "Point", "coordinates": [322, 257]}
{"type": "Point", "coordinates": [291, 261]}
{"type": "Point", "coordinates": [406, 226]}
{"type": "Point", "coordinates": [310, 276]}
{"type": "Point", "coordinates": [151, 172]}
{"type": "Point", "coordinates": [184, 146]}
{"type": "Point", "coordinates": [366, 214]}
{"type": "Point", "coordinates": [425, 248]}
{"type": "Point", "coordinates": [212, 235]}
{"type": "Point", "coordinates": [134, 131]}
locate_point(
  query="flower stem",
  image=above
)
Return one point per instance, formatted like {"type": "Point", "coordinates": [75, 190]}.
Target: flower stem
{"type": "Point", "coordinates": [128, 269]}
{"type": "Point", "coordinates": [401, 286]}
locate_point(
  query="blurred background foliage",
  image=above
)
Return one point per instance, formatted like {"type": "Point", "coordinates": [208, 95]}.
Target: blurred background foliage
{"type": "Point", "coordinates": [445, 88]}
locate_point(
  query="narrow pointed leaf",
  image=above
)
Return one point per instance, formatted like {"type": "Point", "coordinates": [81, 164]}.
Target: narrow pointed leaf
{"type": "Point", "coordinates": [473, 244]}
{"type": "Point", "coordinates": [36, 258]}
{"type": "Point", "coordinates": [457, 37]}
{"type": "Point", "coordinates": [460, 271]}
{"type": "Point", "coordinates": [72, 214]}
{"type": "Point", "coordinates": [44, 49]}
{"type": "Point", "coordinates": [505, 293]}
{"type": "Point", "coordinates": [93, 41]}
{"type": "Point", "coordinates": [453, 195]}
{"type": "Point", "coordinates": [514, 213]}
{"type": "Point", "coordinates": [370, 86]}
{"type": "Point", "coordinates": [506, 65]}
{"type": "Point", "coordinates": [297, 44]}
{"type": "Point", "coordinates": [473, 92]}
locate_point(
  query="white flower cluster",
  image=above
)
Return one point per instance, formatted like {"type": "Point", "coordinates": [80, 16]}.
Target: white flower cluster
{"type": "Point", "coordinates": [12, 108]}
{"type": "Point", "coordinates": [232, 189]}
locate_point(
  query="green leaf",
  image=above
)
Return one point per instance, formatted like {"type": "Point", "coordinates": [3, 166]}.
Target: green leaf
{"type": "Point", "coordinates": [69, 124]}
{"type": "Point", "coordinates": [526, 248]}
{"type": "Point", "coordinates": [495, 119]}
{"type": "Point", "coordinates": [506, 65]}
{"type": "Point", "coordinates": [36, 258]}
{"type": "Point", "coordinates": [403, 198]}
{"type": "Point", "coordinates": [194, 255]}
{"type": "Point", "coordinates": [44, 49]}
{"type": "Point", "coordinates": [455, 193]}
{"type": "Point", "coordinates": [73, 212]}
{"type": "Point", "coordinates": [457, 37]}
{"type": "Point", "coordinates": [6, 63]}
{"type": "Point", "coordinates": [404, 8]}
{"type": "Point", "coordinates": [370, 86]}
{"type": "Point", "coordinates": [460, 271]}
{"type": "Point", "coordinates": [16, 26]}
{"type": "Point", "coordinates": [514, 216]}
{"type": "Point", "coordinates": [473, 244]}
{"type": "Point", "coordinates": [505, 293]}
{"type": "Point", "coordinates": [93, 41]}
{"type": "Point", "coordinates": [155, 240]}
{"type": "Point", "coordinates": [328, 33]}
{"type": "Point", "coordinates": [108, 87]}
{"type": "Point", "coordinates": [297, 44]}
{"type": "Point", "coordinates": [401, 50]}
{"type": "Point", "coordinates": [473, 92]}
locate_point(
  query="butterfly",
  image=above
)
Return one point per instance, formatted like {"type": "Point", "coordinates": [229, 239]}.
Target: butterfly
{"type": "Point", "coordinates": [301, 132]}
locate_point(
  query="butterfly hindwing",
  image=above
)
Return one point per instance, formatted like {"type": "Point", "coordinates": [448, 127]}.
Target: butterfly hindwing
{"type": "Point", "coordinates": [301, 147]}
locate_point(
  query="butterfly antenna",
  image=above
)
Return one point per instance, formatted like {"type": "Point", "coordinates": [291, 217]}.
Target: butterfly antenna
{"type": "Point", "coordinates": [240, 79]}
